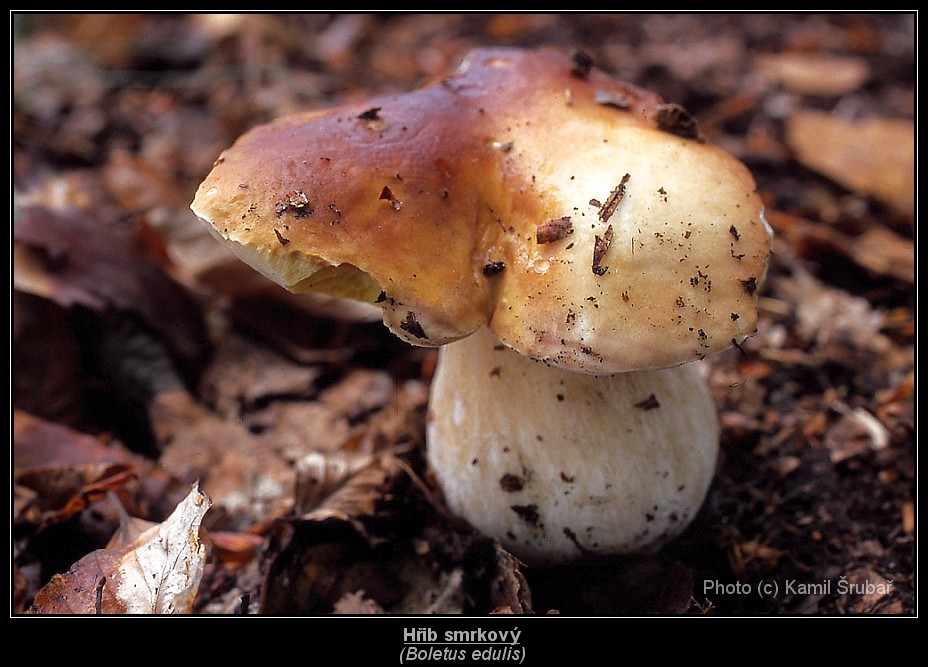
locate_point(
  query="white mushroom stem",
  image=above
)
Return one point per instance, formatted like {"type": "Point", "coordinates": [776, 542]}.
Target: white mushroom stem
{"type": "Point", "coordinates": [558, 465]}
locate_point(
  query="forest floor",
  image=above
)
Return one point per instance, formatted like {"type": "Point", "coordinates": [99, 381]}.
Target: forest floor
{"type": "Point", "coordinates": [145, 359]}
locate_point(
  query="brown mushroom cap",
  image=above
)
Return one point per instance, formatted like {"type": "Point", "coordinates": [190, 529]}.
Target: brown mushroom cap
{"type": "Point", "coordinates": [579, 217]}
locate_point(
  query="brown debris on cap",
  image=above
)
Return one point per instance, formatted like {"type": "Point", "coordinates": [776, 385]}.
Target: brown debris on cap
{"type": "Point", "coordinates": [476, 164]}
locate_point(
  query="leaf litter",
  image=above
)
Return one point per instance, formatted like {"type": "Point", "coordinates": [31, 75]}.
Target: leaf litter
{"type": "Point", "coordinates": [156, 376]}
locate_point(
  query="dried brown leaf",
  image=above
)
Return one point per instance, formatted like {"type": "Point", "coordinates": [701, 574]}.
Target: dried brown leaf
{"type": "Point", "coordinates": [361, 391]}
{"type": "Point", "coordinates": [158, 573]}
{"type": "Point", "coordinates": [885, 253]}
{"type": "Point", "coordinates": [267, 420]}
{"type": "Point", "coordinates": [242, 375]}
{"type": "Point", "coordinates": [46, 361]}
{"type": "Point", "coordinates": [235, 548]}
{"type": "Point", "coordinates": [243, 474]}
{"type": "Point", "coordinates": [814, 73]}
{"type": "Point", "coordinates": [350, 483]}
{"type": "Point", "coordinates": [342, 485]}
{"type": "Point", "coordinates": [138, 185]}
{"type": "Point", "coordinates": [72, 258]}
{"type": "Point", "coordinates": [319, 476]}
{"type": "Point", "coordinates": [873, 156]}
{"type": "Point", "coordinates": [878, 250]}
{"type": "Point", "coordinates": [68, 470]}
{"type": "Point", "coordinates": [38, 443]}
{"type": "Point", "coordinates": [83, 589]}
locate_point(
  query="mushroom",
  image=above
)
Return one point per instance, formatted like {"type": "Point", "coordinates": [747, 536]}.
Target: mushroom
{"type": "Point", "coordinates": [559, 464]}
{"type": "Point", "coordinates": [569, 239]}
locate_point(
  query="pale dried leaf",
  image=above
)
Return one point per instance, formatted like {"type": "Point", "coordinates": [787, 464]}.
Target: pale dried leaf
{"type": "Point", "coordinates": [160, 573]}
{"type": "Point", "coordinates": [833, 319]}
{"type": "Point", "coordinates": [873, 156]}
{"type": "Point", "coordinates": [854, 434]}
{"type": "Point", "coordinates": [814, 73]}
{"type": "Point", "coordinates": [356, 604]}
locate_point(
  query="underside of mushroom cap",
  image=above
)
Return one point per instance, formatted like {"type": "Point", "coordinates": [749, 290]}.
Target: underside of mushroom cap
{"type": "Point", "coordinates": [582, 219]}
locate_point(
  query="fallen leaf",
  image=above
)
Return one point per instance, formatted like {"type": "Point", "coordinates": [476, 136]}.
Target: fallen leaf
{"type": "Point", "coordinates": [242, 375]}
{"type": "Point", "coordinates": [872, 156]}
{"type": "Point", "coordinates": [342, 485]}
{"type": "Point", "coordinates": [46, 360]}
{"type": "Point", "coordinates": [814, 73]}
{"type": "Point", "coordinates": [319, 476]}
{"type": "Point", "coordinates": [348, 483]}
{"type": "Point", "coordinates": [878, 250]}
{"type": "Point", "coordinates": [242, 474]}
{"type": "Point", "coordinates": [908, 517]}
{"type": "Point", "coordinates": [68, 470]}
{"type": "Point", "coordinates": [750, 558]}
{"type": "Point", "coordinates": [114, 478]}
{"type": "Point", "coordinates": [833, 320]}
{"type": "Point", "coordinates": [82, 589]}
{"type": "Point", "coordinates": [158, 573]}
{"type": "Point", "coordinates": [885, 253]}
{"type": "Point", "coordinates": [234, 548]}
{"type": "Point", "coordinates": [361, 392]}
{"type": "Point", "coordinates": [38, 443]}
{"type": "Point", "coordinates": [855, 433]}
{"type": "Point", "coordinates": [356, 604]}
{"type": "Point", "coordinates": [72, 258]}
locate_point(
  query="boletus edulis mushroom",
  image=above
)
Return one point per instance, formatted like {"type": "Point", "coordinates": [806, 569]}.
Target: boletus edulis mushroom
{"type": "Point", "coordinates": [571, 243]}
